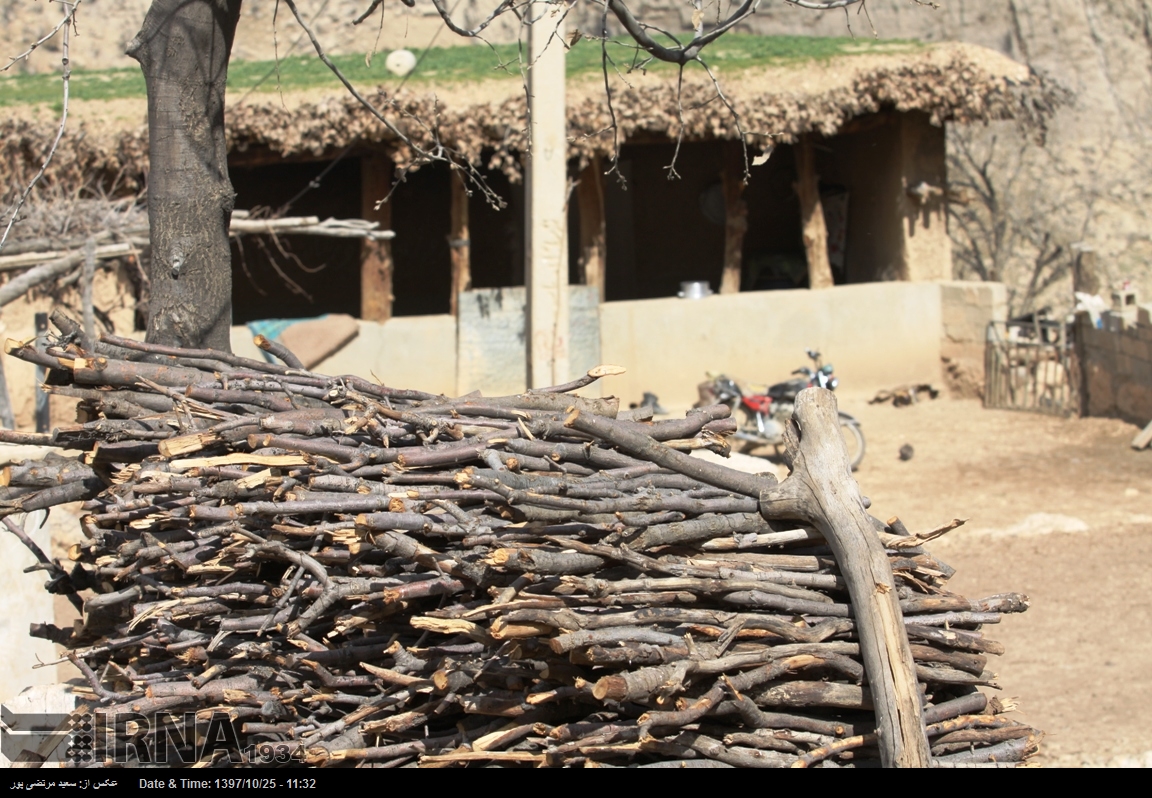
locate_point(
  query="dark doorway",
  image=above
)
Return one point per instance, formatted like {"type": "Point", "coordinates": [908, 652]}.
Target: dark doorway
{"type": "Point", "coordinates": [421, 217]}
{"type": "Point", "coordinates": [773, 245]}
{"type": "Point", "coordinates": [657, 235]}
{"type": "Point", "coordinates": [497, 252]}
{"type": "Point", "coordinates": [297, 276]}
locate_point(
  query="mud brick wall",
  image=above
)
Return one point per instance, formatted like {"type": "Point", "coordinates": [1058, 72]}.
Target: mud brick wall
{"type": "Point", "coordinates": [1116, 367]}
{"type": "Point", "coordinates": [967, 307]}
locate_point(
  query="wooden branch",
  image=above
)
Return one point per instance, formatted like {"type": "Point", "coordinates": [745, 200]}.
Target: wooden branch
{"type": "Point", "coordinates": [332, 567]}
{"type": "Point", "coordinates": [243, 224]}
{"type": "Point", "coordinates": [22, 284]}
{"type": "Point", "coordinates": [23, 261]}
{"type": "Point", "coordinates": [277, 349]}
{"type": "Point", "coordinates": [66, 74]}
{"type": "Point", "coordinates": [821, 491]}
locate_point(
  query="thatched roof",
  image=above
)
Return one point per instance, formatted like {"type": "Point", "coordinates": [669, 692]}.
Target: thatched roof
{"type": "Point", "coordinates": [949, 82]}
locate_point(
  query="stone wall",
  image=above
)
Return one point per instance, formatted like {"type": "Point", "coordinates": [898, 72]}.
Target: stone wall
{"type": "Point", "coordinates": [1116, 366]}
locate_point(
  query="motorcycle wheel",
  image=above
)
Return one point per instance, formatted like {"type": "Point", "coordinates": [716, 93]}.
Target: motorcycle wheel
{"type": "Point", "coordinates": [854, 441]}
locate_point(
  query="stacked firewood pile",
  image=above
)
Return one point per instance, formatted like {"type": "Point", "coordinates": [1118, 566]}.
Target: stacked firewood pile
{"type": "Point", "coordinates": [378, 577]}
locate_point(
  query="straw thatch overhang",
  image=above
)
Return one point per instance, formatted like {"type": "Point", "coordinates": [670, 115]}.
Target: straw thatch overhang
{"type": "Point", "coordinates": [951, 82]}
{"type": "Point", "coordinates": [948, 82]}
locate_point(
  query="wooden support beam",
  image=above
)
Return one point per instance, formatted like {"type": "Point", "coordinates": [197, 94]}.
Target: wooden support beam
{"type": "Point", "coordinates": [735, 215]}
{"type": "Point", "coordinates": [593, 234]}
{"type": "Point", "coordinates": [459, 242]}
{"type": "Point", "coordinates": [376, 256]}
{"type": "Point", "coordinates": [812, 215]}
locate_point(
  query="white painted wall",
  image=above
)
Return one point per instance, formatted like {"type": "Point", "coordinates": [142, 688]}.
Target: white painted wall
{"type": "Point", "coordinates": [877, 335]}
{"type": "Point", "coordinates": [25, 600]}
{"type": "Point", "coordinates": [407, 352]}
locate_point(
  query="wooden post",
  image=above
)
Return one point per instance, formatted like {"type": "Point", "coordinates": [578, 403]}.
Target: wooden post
{"type": "Point", "coordinates": [812, 215]}
{"type": "Point", "coordinates": [43, 411]}
{"type": "Point", "coordinates": [459, 243]}
{"type": "Point", "coordinates": [735, 216]}
{"type": "Point", "coordinates": [376, 256]}
{"type": "Point", "coordinates": [1085, 275]}
{"type": "Point", "coordinates": [546, 198]}
{"type": "Point", "coordinates": [593, 235]}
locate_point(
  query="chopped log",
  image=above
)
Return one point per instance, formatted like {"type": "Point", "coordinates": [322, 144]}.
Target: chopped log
{"type": "Point", "coordinates": [1143, 438]}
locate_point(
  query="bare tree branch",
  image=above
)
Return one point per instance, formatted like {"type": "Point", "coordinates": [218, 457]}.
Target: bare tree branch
{"type": "Point", "coordinates": [446, 15]}
{"type": "Point", "coordinates": [62, 23]}
{"type": "Point", "coordinates": [440, 153]}
{"type": "Point", "coordinates": [679, 55]}
{"type": "Point", "coordinates": [67, 73]}
{"type": "Point", "coordinates": [1005, 231]}
{"type": "Point", "coordinates": [825, 6]}
{"type": "Point", "coordinates": [735, 117]}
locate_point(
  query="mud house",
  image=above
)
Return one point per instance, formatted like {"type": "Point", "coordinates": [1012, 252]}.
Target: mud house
{"type": "Point", "coordinates": [861, 135]}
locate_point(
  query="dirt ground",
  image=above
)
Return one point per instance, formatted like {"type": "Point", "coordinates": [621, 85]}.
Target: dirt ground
{"type": "Point", "coordinates": [1057, 509]}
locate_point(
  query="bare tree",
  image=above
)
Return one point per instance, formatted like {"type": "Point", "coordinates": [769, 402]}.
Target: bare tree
{"type": "Point", "coordinates": [1003, 228]}
{"type": "Point", "coordinates": [184, 48]}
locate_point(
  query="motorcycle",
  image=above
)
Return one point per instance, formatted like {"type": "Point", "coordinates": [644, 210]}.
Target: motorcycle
{"type": "Point", "coordinates": [765, 414]}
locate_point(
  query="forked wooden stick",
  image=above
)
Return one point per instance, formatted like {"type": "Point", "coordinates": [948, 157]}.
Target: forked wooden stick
{"type": "Point", "coordinates": [821, 491]}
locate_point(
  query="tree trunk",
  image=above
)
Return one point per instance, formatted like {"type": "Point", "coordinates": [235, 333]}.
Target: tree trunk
{"type": "Point", "coordinates": [183, 49]}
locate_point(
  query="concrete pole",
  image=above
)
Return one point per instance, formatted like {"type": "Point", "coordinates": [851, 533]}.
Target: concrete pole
{"type": "Point", "coordinates": [546, 188]}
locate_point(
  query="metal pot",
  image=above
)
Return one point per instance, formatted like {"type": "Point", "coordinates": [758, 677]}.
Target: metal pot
{"type": "Point", "coordinates": [695, 289]}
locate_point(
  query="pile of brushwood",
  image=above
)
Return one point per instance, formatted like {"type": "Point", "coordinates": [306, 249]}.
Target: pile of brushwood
{"type": "Point", "coordinates": [362, 575]}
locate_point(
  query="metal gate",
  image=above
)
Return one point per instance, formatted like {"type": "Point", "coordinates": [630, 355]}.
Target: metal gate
{"type": "Point", "coordinates": [1031, 365]}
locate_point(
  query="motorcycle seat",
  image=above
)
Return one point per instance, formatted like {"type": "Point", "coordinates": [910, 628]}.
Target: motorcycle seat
{"type": "Point", "coordinates": [787, 390]}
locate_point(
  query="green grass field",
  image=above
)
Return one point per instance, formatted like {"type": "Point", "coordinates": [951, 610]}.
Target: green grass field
{"type": "Point", "coordinates": [438, 64]}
